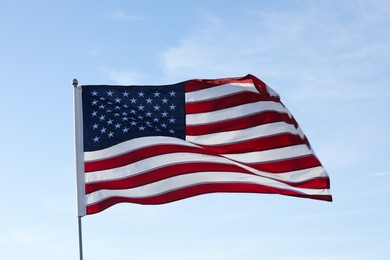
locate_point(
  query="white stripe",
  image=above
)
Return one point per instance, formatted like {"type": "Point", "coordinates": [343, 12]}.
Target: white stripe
{"type": "Point", "coordinates": [132, 145]}
{"type": "Point", "coordinates": [244, 134]}
{"type": "Point", "coordinates": [149, 164]}
{"type": "Point", "coordinates": [219, 91]}
{"type": "Point", "coordinates": [301, 134]}
{"type": "Point", "coordinates": [271, 91]}
{"type": "Point", "coordinates": [164, 160]}
{"type": "Point", "coordinates": [234, 112]}
{"type": "Point", "coordinates": [188, 180]}
{"type": "Point", "coordinates": [271, 155]}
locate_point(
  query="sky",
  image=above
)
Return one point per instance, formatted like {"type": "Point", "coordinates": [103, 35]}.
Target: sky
{"type": "Point", "coordinates": [328, 60]}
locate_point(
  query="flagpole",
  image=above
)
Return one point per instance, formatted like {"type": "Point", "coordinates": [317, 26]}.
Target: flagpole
{"type": "Point", "coordinates": [80, 238]}
{"type": "Point", "coordinates": [78, 123]}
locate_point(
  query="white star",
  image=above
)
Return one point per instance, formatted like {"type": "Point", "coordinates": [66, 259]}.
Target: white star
{"type": "Point", "coordinates": [164, 100]}
{"type": "Point", "coordinates": [163, 125]}
{"type": "Point", "coordinates": [109, 93]}
{"type": "Point", "coordinates": [141, 107]}
{"type": "Point", "coordinates": [118, 100]}
{"type": "Point", "coordinates": [94, 102]}
{"type": "Point", "coordinates": [117, 107]}
{"type": "Point", "coordinates": [109, 122]}
{"type": "Point", "coordinates": [148, 114]}
{"type": "Point", "coordinates": [141, 128]}
{"type": "Point", "coordinates": [156, 94]}
{"type": "Point", "coordinates": [171, 131]}
{"type": "Point", "coordinates": [156, 119]}
{"type": "Point", "coordinates": [149, 101]}
{"type": "Point", "coordinates": [95, 126]}
{"type": "Point", "coordinates": [96, 139]}
{"type": "Point", "coordinates": [172, 107]}
{"type": "Point", "coordinates": [124, 118]}
{"type": "Point", "coordinates": [103, 130]}
{"type": "Point", "coordinates": [164, 114]}
{"type": "Point", "coordinates": [156, 107]}
{"type": "Point", "coordinates": [125, 130]}
{"type": "Point", "coordinates": [102, 106]}
{"type": "Point", "coordinates": [172, 93]}
{"type": "Point", "coordinates": [133, 100]}
{"type": "Point", "coordinates": [110, 134]}
{"type": "Point", "coordinates": [133, 111]}
{"type": "Point", "coordinates": [94, 93]}
{"type": "Point", "coordinates": [133, 123]}
{"type": "Point", "coordinates": [117, 126]}
{"type": "Point", "coordinates": [141, 94]}
{"type": "Point", "coordinates": [102, 117]}
{"type": "Point", "coordinates": [125, 94]}
{"type": "Point", "coordinates": [172, 120]}
{"type": "Point", "coordinates": [94, 113]}
{"type": "Point", "coordinates": [125, 106]}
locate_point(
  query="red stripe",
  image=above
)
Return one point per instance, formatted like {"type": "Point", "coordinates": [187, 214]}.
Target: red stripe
{"type": "Point", "coordinates": [141, 154]}
{"type": "Point", "coordinates": [258, 144]}
{"type": "Point", "coordinates": [134, 156]}
{"type": "Point", "coordinates": [199, 190]}
{"type": "Point", "coordinates": [186, 168]}
{"type": "Point", "coordinates": [241, 147]}
{"type": "Point", "coordinates": [239, 123]}
{"type": "Point", "coordinates": [288, 165]}
{"type": "Point", "coordinates": [198, 84]}
{"type": "Point", "coordinates": [225, 102]}
{"type": "Point", "coordinates": [163, 173]}
{"type": "Point", "coordinates": [316, 183]}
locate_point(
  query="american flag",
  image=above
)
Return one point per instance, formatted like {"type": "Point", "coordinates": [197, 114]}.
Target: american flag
{"type": "Point", "coordinates": [159, 144]}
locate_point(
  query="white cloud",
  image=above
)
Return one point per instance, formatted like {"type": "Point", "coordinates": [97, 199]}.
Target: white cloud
{"type": "Point", "coordinates": [211, 50]}
{"type": "Point", "coordinates": [95, 49]}
{"type": "Point", "coordinates": [323, 50]}
{"type": "Point", "coordinates": [380, 174]}
{"type": "Point", "coordinates": [122, 16]}
{"type": "Point", "coordinates": [21, 237]}
{"type": "Point", "coordinates": [124, 77]}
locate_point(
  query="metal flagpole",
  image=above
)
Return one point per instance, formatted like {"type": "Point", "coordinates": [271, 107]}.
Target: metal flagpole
{"type": "Point", "coordinates": [78, 123]}
{"type": "Point", "coordinates": [80, 238]}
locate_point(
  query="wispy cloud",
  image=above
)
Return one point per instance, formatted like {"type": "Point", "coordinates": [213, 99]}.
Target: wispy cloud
{"type": "Point", "coordinates": [323, 51]}
{"type": "Point", "coordinates": [21, 237]}
{"type": "Point", "coordinates": [381, 174]}
{"type": "Point", "coordinates": [124, 76]}
{"type": "Point", "coordinates": [208, 51]}
{"type": "Point", "coordinates": [123, 16]}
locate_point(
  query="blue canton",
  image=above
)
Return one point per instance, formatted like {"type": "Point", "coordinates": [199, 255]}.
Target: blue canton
{"type": "Point", "coordinates": [113, 114]}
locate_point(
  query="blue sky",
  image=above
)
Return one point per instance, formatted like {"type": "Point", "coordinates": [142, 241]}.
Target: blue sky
{"type": "Point", "coordinates": [329, 61]}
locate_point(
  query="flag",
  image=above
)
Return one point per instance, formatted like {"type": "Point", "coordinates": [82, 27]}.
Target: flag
{"type": "Point", "coordinates": [159, 144]}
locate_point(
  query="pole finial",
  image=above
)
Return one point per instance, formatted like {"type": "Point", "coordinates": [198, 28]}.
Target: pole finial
{"type": "Point", "coordinates": [75, 83]}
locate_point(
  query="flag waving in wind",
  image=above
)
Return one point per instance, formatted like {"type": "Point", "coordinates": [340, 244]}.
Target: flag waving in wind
{"type": "Point", "coordinates": [159, 144]}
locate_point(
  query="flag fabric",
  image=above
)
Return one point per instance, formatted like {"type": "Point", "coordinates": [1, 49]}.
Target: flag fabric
{"type": "Point", "coordinates": [159, 144]}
